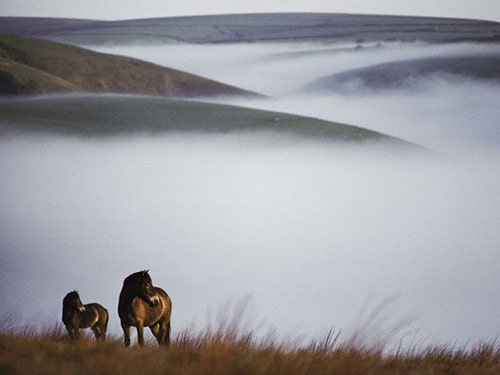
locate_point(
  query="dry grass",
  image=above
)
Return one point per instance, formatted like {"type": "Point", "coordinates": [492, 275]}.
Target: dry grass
{"type": "Point", "coordinates": [229, 350]}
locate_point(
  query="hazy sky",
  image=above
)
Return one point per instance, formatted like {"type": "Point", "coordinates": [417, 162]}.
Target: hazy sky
{"type": "Point", "coordinates": [107, 9]}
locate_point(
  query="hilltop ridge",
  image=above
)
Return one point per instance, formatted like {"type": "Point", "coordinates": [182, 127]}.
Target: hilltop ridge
{"type": "Point", "coordinates": [235, 28]}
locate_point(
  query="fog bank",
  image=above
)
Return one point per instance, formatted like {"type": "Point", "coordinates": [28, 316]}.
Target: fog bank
{"type": "Point", "coordinates": [277, 69]}
{"type": "Point", "coordinates": [448, 114]}
{"type": "Point", "coordinates": [454, 117]}
{"type": "Point", "coordinates": [310, 232]}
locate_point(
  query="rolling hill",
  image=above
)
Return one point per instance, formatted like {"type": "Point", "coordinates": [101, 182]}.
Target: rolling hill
{"type": "Point", "coordinates": [109, 115]}
{"type": "Point", "coordinates": [322, 27]}
{"type": "Point", "coordinates": [32, 66]}
{"type": "Point", "coordinates": [408, 73]}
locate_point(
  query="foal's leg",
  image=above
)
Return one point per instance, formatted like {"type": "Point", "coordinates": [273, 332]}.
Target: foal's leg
{"type": "Point", "coordinates": [73, 333]}
{"type": "Point", "coordinates": [97, 332]}
{"type": "Point", "coordinates": [102, 324]}
{"type": "Point", "coordinates": [126, 334]}
{"type": "Point", "coordinates": [70, 334]}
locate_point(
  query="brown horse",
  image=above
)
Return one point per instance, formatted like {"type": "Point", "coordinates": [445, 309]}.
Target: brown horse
{"type": "Point", "coordinates": [143, 305]}
{"type": "Point", "coordinates": [76, 316]}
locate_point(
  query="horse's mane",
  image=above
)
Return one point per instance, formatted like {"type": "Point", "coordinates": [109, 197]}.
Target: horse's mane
{"type": "Point", "coordinates": [137, 275]}
{"type": "Point", "coordinates": [71, 295]}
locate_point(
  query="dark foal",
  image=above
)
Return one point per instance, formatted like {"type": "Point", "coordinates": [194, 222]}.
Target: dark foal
{"type": "Point", "coordinates": [77, 316]}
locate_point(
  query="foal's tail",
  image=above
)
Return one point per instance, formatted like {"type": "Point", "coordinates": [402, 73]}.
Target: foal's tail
{"type": "Point", "coordinates": [103, 324]}
{"type": "Point", "coordinates": [106, 320]}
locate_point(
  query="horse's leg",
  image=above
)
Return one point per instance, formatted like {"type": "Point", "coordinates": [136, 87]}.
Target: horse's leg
{"type": "Point", "coordinates": [164, 333]}
{"type": "Point", "coordinates": [166, 338]}
{"type": "Point", "coordinates": [126, 334]}
{"type": "Point", "coordinates": [140, 332]}
{"type": "Point", "coordinates": [155, 329]}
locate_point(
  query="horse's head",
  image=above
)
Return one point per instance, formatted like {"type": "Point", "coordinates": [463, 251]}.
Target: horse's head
{"type": "Point", "coordinates": [72, 301]}
{"type": "Point", "coordinates": [143, 285]}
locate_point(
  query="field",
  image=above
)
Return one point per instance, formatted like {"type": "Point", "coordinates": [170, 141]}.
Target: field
{"type": "Point", "coordinates": [230, 351]}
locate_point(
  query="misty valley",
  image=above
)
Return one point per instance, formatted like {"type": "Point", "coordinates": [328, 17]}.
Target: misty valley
{"type": "Point", "coordinates": [314, 175]}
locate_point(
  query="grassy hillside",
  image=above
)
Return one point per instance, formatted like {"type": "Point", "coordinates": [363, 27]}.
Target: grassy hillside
{"type": "Point", "coordinates": [255, 27]}
{"type": "Point", "coordinates": [97, 115]}
{"type": "Point", "coordinates": [407, 73]}
{"type": "Point", "coordinates": [31, 66]}
{"type": "Point", "coordinates": [20, 79]}
{"type": "Point", "coordinates": [230, 352]}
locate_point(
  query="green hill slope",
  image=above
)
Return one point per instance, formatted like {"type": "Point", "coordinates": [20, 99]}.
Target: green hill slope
{"type": "Point", "coordinates": [106, 115]}
{"type": "Point", "coordinates": [32, 66]}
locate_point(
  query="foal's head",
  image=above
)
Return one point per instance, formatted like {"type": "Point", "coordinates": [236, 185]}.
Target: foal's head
{"type": "Point", "coordinates": [142, 285]}
{"type": "Point", "coordinates": [72, 302]}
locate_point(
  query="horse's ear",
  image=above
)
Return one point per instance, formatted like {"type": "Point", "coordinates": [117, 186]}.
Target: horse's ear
{"type": "Point", "coordinates": [145, 272]}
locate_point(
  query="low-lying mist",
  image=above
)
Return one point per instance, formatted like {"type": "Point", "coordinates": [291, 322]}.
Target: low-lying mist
{"type": "Point", "coordinates": [311, 232]}
{"type": "Point", "coordinates": [455, 117]}
{"type": "Point", "coordinates": [278, 69]}
{"type": "Point", "coordinates": [447, 114]}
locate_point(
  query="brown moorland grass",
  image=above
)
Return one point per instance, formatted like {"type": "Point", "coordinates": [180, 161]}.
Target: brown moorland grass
{"type": "Point", "coordinates": [230, 351]}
